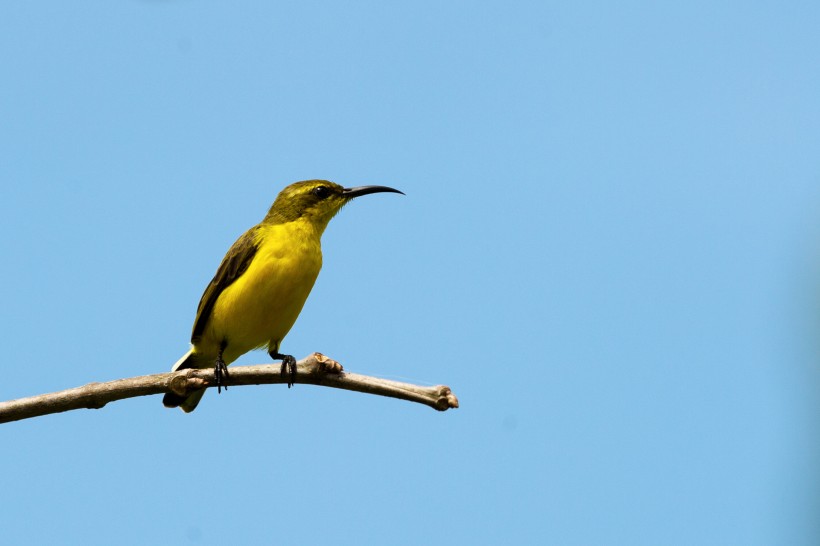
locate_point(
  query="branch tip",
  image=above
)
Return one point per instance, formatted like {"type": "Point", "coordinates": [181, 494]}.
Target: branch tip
{"type": "Point", "coordinates": [446, 399]}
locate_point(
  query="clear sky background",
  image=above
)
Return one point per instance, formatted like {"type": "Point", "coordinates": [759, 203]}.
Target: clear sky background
{"type": "Point", "coordinates": [608, 249]}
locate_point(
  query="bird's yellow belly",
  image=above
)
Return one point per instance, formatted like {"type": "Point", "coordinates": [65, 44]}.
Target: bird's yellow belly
{"type": "Point", "coordinates": [262, 305]}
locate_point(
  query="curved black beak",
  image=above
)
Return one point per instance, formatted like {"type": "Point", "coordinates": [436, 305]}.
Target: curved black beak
{"type": "Point", "coordinates": [350, 193]}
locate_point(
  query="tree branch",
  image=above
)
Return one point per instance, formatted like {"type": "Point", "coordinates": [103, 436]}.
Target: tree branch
{"type": "Point", "coordinates": [315, 369]}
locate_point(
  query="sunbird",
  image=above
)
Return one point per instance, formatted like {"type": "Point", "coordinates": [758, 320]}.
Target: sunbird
{"type": "Point", "coordinates": [263, 282]}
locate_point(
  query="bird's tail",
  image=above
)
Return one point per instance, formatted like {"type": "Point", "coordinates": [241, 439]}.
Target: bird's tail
{"type": "Point", "coordinates": [187, 403]}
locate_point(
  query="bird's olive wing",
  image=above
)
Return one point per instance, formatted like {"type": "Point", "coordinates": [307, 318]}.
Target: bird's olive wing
{"type": "Point", "coordinates": [234, 264]}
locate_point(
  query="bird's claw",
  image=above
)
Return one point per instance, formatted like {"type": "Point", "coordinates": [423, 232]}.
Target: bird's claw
{"type": "Point", "coordinates": [289, 366]}
{"type": "Point", "coordinates": [220, 374]}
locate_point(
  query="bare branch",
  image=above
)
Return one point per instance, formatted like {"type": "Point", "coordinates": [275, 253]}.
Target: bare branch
{"type": "Point", "coordinates": [315, 369]}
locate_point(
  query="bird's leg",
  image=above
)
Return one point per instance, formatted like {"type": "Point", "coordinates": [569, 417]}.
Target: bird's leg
{"type": "Point", "coordinates": [288, 364]}
{"type": "Point", "coordinates": [220, 368]}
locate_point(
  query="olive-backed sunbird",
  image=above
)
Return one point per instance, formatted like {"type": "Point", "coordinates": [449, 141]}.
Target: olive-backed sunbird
{"type": "Point", "coordinates": [263, 282]}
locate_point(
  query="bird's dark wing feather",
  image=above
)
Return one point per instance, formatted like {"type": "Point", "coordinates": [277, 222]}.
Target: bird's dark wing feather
{"type": "Point", "coordinates": [234, 264]}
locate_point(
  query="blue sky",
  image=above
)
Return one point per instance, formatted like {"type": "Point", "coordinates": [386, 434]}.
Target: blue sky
{"type": "Point", "coordinates": [608, 249]}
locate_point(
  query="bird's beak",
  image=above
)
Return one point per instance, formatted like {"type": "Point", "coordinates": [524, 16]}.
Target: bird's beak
{"type": "Point", "coordinates": [350, 193]}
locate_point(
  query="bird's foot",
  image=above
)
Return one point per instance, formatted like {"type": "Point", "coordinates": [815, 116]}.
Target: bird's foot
{"type": "Point", "coordinates": [288, 366]}
{"type": "Point", "coordinates": [221, 374]}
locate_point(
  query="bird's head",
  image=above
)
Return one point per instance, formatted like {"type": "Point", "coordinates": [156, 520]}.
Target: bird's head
{"type": "Point", "coordinates": [316, 201]}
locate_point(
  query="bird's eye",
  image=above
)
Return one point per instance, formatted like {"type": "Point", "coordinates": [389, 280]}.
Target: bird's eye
{"type": "Point", "coordinates": [321, 192]}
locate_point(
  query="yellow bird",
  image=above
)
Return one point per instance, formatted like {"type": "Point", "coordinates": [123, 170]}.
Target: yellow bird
{"type": "Point", "coordinates": [263, 282]}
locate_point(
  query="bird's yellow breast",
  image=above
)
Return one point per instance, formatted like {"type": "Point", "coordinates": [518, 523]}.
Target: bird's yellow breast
{"type": "Point", "coordinates": [260, 307]}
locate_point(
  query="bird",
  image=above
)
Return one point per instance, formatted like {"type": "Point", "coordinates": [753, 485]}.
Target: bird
{"type": "Point", "coordinates": [263, 282]}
